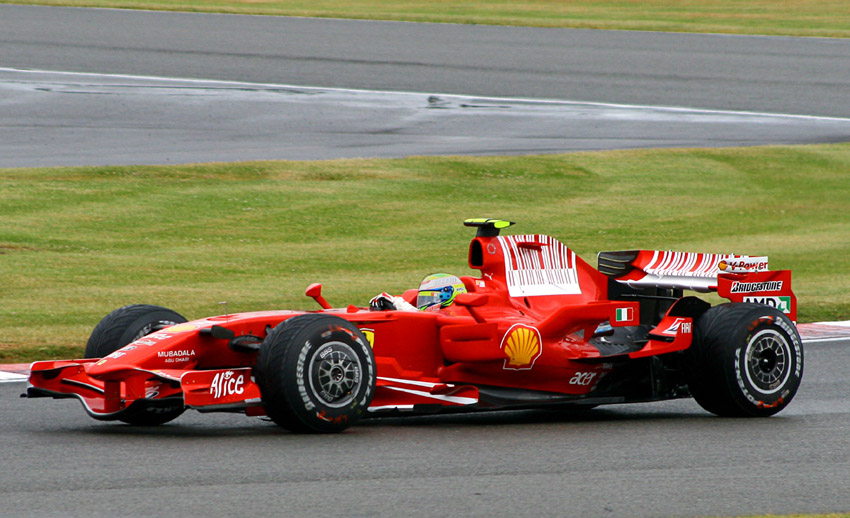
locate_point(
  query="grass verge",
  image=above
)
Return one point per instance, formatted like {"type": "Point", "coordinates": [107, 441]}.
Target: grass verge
{"type": "Point", "coordinates": [827, 18]}
{"type": "Point", "coordinates": [78, 242]}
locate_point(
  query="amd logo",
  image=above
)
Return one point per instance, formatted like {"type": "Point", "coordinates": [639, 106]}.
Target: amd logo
{"type": "Point", "coordinates": [783, 304]}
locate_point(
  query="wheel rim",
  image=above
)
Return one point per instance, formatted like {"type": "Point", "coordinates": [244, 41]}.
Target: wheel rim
{"type": "Point", "coordinates": [335, 374]}
{"type": "Point", "coordinates": [768, 361]}
{"type": "Point", "coordinates": [159, 325]}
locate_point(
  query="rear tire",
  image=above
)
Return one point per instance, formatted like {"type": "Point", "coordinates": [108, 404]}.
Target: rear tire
{"type": "Point", "coordinates": [316, 374]}
{"type": "Point", "coordinates": [125, 325]}
{"type": "Point", "coordinates": [746, 360]}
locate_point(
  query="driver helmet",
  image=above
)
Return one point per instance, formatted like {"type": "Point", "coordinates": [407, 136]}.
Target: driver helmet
{"type": "Point", "coordinates": [439, 288]}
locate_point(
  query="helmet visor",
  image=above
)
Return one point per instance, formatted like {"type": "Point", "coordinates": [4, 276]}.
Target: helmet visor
{"type": "Point", "coordinates": [428, 298]}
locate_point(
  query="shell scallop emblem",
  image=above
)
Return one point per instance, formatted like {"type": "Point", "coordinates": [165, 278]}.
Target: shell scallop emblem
{"type": "Point", "coordinates": [180, 328]}
{"type": "Point", "coordinates": [522, 347]}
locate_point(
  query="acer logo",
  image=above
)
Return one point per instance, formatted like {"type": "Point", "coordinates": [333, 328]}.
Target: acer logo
{"type": "Point", "coordinates": [583, 378]}
{"type": "Point", "coordinates": [226, 384]}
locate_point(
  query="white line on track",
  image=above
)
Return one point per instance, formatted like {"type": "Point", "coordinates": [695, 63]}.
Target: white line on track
{"type": "Point", "coordinates": [671, 109]}
{"type": "Point", "coordinates": [822, 340]}
{"type": "Point", "coordinates": [9, 377]}
{"type": "Point", "coordinates": [843, 323]}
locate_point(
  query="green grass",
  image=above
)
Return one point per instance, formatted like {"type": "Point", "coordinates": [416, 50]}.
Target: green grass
{"type": "Point", "coordinates": [787, 17]}
{"type": "Point", "coordinates": [78, 242]}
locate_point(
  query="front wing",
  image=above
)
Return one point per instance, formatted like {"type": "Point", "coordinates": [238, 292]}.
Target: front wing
{"type": "Point", "coordinates": [109, 399]}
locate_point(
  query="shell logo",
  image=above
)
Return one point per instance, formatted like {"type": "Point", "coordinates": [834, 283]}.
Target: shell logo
{"type": "Point", "coordinates": [522, 346]}
{"type": "Point", "coordinates": [180, 328]}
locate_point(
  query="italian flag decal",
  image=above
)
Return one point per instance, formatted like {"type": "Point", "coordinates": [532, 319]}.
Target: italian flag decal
{"type": "Point", "coordinates": [624, 314]}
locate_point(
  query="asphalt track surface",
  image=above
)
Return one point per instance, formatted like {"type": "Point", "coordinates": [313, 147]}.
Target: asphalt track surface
{"type": "Point", "coordinates": [647, 460]}
{"type": "Point", "coordinates": [385, 89]}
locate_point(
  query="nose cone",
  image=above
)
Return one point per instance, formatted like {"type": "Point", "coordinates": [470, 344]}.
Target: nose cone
{"type": "Point", "coordinates": [172, 348]}
{"type": "Point", "coordinates": [109, 368]}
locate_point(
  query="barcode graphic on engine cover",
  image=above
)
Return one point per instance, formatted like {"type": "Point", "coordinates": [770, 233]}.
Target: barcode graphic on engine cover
{"type": "Point", "coordinates": [546, 268]}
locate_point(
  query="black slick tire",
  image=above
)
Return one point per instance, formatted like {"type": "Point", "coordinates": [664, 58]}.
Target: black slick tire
{"type": "Point", "coordinates": [125, 325]}
{"type": "Point", "coordinates": [316, 373]}
{"type": "Point", "coordinates": [746, 360]}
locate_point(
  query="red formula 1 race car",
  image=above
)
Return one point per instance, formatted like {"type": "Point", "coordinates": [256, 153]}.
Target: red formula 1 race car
{"type": "Point", "coordinates": [537, 327]}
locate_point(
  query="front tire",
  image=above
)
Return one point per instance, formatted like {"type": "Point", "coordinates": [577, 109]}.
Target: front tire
{"type": "Point", "coordinates": [316, 374]}
{"type": "Point", "coordinates": [125, 325]}
{"type": "Point", "coordinates": [746, 360]}
{"type": "Point", "coordinates": [128, 324]}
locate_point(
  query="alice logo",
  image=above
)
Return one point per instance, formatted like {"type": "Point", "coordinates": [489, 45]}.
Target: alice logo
{"type": "Point", "coordinates": [226, 384]}
{"type": "Point", "coordinates": [522, 346]}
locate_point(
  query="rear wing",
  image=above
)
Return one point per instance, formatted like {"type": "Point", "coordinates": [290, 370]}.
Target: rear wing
{"type": "Point", "coordinates": [739, 278]}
